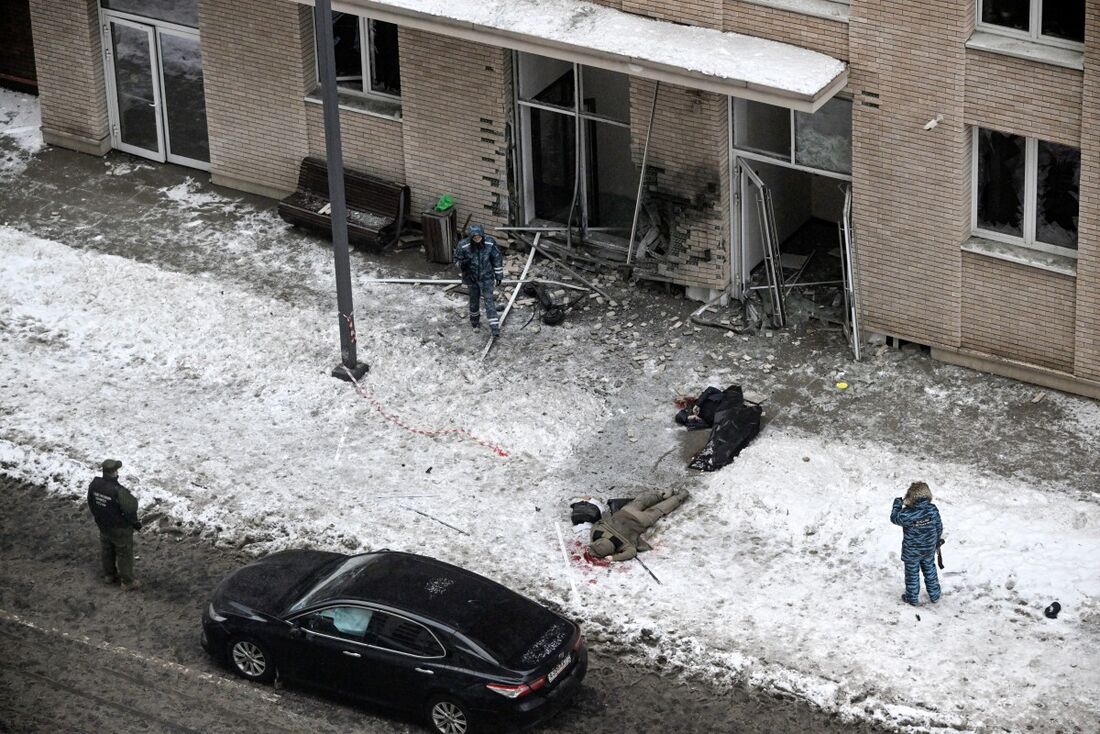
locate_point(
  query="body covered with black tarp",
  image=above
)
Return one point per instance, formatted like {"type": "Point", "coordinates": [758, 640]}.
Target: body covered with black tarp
{"type": "Point", "coordinates": [733, 423]}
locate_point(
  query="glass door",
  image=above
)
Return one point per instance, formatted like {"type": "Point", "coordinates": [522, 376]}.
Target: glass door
{"type": "Point", "coordinates": [180, 56]}
{"type": "Point", "coordinates": [134, 90]}
{"type": "Point", "coordinates": [578, 166]}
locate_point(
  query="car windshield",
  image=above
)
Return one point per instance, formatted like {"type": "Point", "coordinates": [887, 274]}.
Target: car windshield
{"type": "Point", "coordinates": [333, 584]}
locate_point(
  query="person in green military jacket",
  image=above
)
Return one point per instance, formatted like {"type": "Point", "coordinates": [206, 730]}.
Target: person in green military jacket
{"type": "Point", "coordinates": [620, 535]}
{"type": "Point", "coordinates": [115, 511]}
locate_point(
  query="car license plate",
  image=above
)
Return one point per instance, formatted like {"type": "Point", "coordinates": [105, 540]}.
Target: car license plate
{"type": "Point", "coordinates": [559, 668]}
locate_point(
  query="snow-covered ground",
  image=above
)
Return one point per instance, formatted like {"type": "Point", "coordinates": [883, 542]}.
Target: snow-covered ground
{"type": "Point", "coordinates": [20, 120]}
{"type": "Point", "coordinates": [782, 570]}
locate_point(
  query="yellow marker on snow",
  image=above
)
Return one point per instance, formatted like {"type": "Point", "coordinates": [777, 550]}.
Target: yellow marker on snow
{"type": "Point", "coordinates": [842, 386]}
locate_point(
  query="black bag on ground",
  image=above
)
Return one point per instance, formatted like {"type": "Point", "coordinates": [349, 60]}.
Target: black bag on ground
{"type": "Point", "coordinates": [700, 414]}
{"type": "Point", "coordinates": [735, 425]}
{"type": "Point", "coordinates": [584, 511]}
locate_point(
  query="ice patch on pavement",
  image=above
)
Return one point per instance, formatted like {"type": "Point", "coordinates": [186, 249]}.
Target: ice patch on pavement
{"type": "Point", "coordinates": [188, 195]}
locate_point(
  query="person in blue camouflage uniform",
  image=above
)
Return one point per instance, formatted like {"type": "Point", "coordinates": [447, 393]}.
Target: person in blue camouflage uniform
{"type": "Point", "coordinates": [920, 520]}
{"type": "Point", "coordinates": [478, 259]}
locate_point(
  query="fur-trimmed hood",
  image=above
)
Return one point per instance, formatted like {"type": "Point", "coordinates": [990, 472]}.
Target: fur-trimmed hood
{"type": "Point", "coordinates": [917, 491]}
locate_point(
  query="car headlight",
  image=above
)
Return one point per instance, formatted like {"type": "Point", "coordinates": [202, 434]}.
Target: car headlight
{"type": "Point", "coordinates": [212, 613]}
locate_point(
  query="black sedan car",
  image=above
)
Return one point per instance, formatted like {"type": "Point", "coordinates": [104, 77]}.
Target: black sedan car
{"type": "Point", "coordinates": [397, 629]}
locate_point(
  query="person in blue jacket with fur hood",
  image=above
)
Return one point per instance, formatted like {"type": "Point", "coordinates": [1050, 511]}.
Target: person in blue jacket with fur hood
{"type": "Point", "coordinates": [920, 520]}
{"type": "Point", "coordinates": [479, 260]}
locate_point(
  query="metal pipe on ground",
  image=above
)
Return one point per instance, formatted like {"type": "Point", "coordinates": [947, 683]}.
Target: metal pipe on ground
{"type": "Point", "coordinates": [455, 282]}
{"type": "Point", "coordinates": [512, 299]}
{"type": "Point", "coordinates": [554, 258]}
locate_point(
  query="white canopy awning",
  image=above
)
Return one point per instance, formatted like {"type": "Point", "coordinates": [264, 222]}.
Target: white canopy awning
{"type": "Point", "coordinates": [573, 30]}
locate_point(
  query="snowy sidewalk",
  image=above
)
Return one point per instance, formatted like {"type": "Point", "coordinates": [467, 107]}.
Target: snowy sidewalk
{"type": "Point", "coordinates": [781, 571]}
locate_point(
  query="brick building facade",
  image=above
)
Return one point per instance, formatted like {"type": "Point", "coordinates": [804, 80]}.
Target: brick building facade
{"type": "Point", "coordinates": [932, 88]}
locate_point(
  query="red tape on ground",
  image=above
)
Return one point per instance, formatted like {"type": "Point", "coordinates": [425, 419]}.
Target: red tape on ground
{"type": "Point", "coordinates": [430, 433]}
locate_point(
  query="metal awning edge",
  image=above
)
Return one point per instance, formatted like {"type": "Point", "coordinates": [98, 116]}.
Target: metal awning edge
{"type": "Point", "coordinates": [643, 68]}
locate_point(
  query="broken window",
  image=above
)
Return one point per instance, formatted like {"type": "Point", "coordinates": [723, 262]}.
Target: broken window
{"type": "Point", "coordinates": [547, 81]}
{"type": "Point", "coordinates": [578, 162]}
{"type": "Point", "coordinates": [1001, 169]}
{"type": "Point", "coordinates": [1058, 184]}
{"type": "Point", "coordinates": [1027, 190]}
{"type": "Point", "coordinates": [762, 128]}
{"type": "Point", "coordinates": [1048, 19]}
{"type": "Point", "coordinates": [366, 51]}
{"type": "Point", "coordinates": [824, 139]}
{"type": "Point", "coordinates": [821, 141]}
{"type": "Point", "coordinates": [183, 12]}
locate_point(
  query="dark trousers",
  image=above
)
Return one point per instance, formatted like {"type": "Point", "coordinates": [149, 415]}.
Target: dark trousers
{"type": "Point", "coordinates": [116, 550]}
{"type": "Point", "coordinates": [479, 291]}
{"type": "Point", "coordinates": [913, 569]}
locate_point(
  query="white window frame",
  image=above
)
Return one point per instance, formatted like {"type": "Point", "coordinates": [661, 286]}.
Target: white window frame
{"type": "Point", "coordinates": [775, 159]}
{"type": "Point", "coordinates": [1031, 200]}
{"type": "Point", "coordinates": [365, 32]}
{"type": "Point", "coordinates": [1035, 25]}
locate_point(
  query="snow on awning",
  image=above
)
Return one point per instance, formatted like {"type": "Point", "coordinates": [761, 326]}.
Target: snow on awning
{"type": "Point", "coordinates": [573, 30]}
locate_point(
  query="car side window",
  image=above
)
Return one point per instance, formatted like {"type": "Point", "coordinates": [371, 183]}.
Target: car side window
{"type": "Point", "coordinates": [348, 623]}
{"type": "Point", "coordinates": [391, 632]}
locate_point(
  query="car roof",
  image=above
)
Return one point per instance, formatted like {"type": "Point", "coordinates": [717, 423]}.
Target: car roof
{"type": "Point", "coordinates": [497, 618]}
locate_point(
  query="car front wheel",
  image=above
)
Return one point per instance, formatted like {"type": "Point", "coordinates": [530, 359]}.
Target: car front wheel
{"type": "Point", "coordinates": [251, 660]}
{"type": "Point", "coordinates": [448, 716]}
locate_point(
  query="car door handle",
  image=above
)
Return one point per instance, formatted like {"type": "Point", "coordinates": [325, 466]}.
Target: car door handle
{"type": "Point", "coordinates": [425, 671]}
{"type": "Point", "coordinates": [351, 654]}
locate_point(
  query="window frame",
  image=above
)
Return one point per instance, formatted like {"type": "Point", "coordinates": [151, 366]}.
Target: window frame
{"type": "Point", "coordinates": [366, 31]}
{"type": "Point", "coordinates": [1035, 27]}
{"type": "Point", "coordinates": [790, 160]}
{"type": "Point", "coordinates": [1030, 200]}
{"type": "Point", "coordinates": [294, 619]}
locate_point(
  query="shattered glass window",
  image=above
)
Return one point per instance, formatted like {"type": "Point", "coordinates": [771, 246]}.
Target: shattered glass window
{"type": "Point", "coordinates": [763, 128]}
{"type": "Point", "coordinates": [1058, 187]}
{"type": "Point", "coordinates": [382, 58]}
{"type": "Point", "coordinates": [348, 50]}
{"type": "Point", "coordinates": [824, 139]}
{"type": "Point", "coordinates": [183, 12]}
{"type": "Point", "coordinates": [385, 67]}
{"type": "Point", "coordinates": [545, 80]}
{"type": "Point", "coordinates": [1008, 13]}
{"type": "Point", "coordinates": [1064, 19]}
{"type": "Point", "coordinates": [1001, 169]}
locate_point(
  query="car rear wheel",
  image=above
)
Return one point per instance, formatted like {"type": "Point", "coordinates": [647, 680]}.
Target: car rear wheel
{"type": "Point", "coordinates": [251, 660]}
{"type": "Point", "coordinates": [448, 716]}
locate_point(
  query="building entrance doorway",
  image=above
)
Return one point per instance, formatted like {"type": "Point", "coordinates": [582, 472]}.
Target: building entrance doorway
{"type": "Point", "coordinates": [578, 168]}
{"type": "Point", "coordinates": [794, 244]}
{"type": "Point", "coordinates": [155, 94]}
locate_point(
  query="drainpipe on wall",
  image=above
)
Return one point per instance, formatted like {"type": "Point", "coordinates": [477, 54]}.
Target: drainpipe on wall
{"type": "Point", "coordinates": [349, 367]}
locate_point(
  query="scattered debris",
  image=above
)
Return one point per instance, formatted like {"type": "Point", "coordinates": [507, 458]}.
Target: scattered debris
{"type": "Point", "coordinates": [1038, 397]}
{"type": "Point", "coordinates": [1051, 612]}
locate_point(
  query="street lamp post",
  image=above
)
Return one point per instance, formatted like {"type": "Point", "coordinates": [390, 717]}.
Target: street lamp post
{"type": "Point", "coordinates": [326, 63]}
